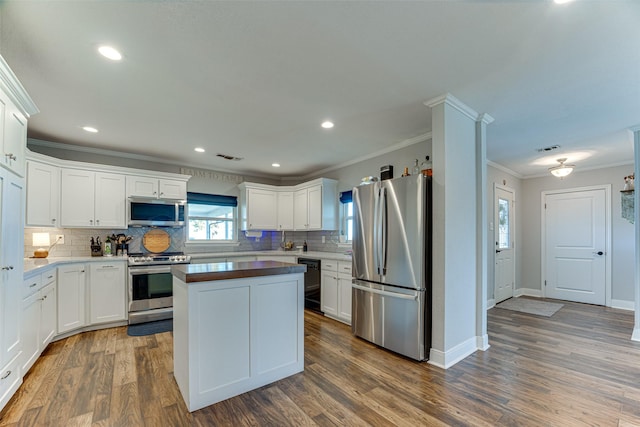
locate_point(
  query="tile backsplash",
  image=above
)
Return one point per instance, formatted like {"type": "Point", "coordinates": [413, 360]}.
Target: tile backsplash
{"type": "Point", "coordinates": [77, 241]}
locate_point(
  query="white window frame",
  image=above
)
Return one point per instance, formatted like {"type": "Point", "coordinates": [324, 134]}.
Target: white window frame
{"type": "Point", "coordinates": [345, 218]}
{"type": "Point", "coordinates": [208, 242]}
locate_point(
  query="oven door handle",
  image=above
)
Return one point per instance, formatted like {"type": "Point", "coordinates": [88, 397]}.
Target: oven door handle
{"type": "Point", "coordinates": [135, 271]}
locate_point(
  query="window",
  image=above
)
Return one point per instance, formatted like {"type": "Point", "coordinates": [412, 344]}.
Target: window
{"type": "Point", "coordinates": [346, 198]}
{"type": "Point", "coordinates": [503, 224]}
{"type": "Point", "coordinates": [211, 218]}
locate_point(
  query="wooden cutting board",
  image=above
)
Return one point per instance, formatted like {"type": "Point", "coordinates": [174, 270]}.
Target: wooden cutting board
{"type": "Point", "coordinates": [156, 240]}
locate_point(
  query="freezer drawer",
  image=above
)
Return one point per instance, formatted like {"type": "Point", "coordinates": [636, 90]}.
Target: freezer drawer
{"type": "Point", "coordinates": [392, 317]}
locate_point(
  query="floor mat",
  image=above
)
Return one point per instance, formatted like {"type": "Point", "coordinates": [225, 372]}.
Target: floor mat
{"type": "Point", "coordinates": [531, 306]}
{"type": "Point", "coordinates": [150, 328]}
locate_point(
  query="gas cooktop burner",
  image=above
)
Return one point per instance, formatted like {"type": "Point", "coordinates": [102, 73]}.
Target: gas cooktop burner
{"type": "Point", "coordinates": [158, 259]}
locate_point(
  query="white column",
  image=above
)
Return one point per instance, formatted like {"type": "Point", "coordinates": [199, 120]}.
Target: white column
{"type": "Point", "coordinates": [636, 212]}
{"type": "Point", "coordinates": [481, 248]}
{"type": "Point", "coordinates": [455, 231]}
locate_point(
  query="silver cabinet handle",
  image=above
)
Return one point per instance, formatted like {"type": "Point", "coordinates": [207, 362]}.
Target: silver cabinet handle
{"type": "Point", "coordinates": [50, 277]}
{"type": "Point", "coordinates": [162, 194]}
{"type": "Point", "coordinates": [10, 156]}
{"type": "Point", "coordinates": [97, 221]}
{"type": "Point", "coordinates": [10, 267]}
{"type": "Point", "coordinates": [53, 220]}
{"type": "Point", "coordinates": [90, 221]}
{"type": "Point", "coordinates": [33, 285]}
{"type": "Point", "coordinates": [108, 266]}
{"type": "Point", "coordinates": [6, 374]}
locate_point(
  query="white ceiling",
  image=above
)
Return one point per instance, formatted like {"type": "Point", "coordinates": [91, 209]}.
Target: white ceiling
{"type": "Point", "coordinates": [254, 79]}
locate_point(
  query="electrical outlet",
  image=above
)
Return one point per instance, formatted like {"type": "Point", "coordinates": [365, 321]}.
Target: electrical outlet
{"type": "Point", "coordinates": [60, 239]}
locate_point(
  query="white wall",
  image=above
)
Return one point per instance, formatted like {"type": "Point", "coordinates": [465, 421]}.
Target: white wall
{"type": "Point", "coordinates": [622, 233]}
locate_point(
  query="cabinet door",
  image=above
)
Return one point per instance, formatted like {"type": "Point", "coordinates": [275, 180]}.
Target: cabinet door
{"type": "Point", "coordinates": [138, 186]}
{"type": "Point", "coordinates": [31, 308]}
{"type": "Point", "coordinates": [262, 209]}
{"type": "Point", "coordinates": [329, 294]}
{"type": "Point", "coordinates": [43, 194]}
{"type": "Point", "coordinates": [344, 298]}
{"type": "Point", "coordinates": [110, 208]}
{"type": "Point", "coordinates": [107, 292]}
{"type": "Point", "coordinates": [300, 206]}
{"type": "Point", "coordinates": [314, 208]}
{"type": "Point", "coordinates": [285, 210]}
{"type": "Point", "coordinates": [71, 294]}
{"type": "Point", "coordinates": [15, 139]}
{"type": "Point", "coordinates": [48, 315]}
{"type": "Point", "coordinates": [170, 189]}
{"type": "Point", "coordinates": [11, 260]}
{"type": "Point", "coordinates": [77, 207]}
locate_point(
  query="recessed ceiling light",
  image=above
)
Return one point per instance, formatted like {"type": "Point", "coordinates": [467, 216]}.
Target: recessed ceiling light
{"type": "Point", "coordinates": [327, 124]}
{"type": "Point", "coordinates": [275, 165]}
{"type": "Point", "coordinates": [90, 129]}
{"type": "Point", "coordinates": [110, 53]}
{"type": "Point", "coordinates": [562, 1]}
{"type": "Point", "coordinates": [199, 149]}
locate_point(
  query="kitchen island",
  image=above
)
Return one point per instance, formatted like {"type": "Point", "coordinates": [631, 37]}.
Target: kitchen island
{"type": "Point", "coordinates": [237, 326]}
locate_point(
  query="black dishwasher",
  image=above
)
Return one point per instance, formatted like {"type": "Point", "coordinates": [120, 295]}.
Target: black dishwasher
{"type": "Point", "coordinates": [311, 284]}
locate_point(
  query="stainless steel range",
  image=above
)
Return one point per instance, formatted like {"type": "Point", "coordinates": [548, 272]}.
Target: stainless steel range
{"type": "Point", "coordinates": [151, 285]}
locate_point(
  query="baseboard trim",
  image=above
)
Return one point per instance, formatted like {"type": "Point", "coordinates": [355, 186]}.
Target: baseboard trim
{"type": "Point", "coordinates": [491, 303]}
{"type": "Point", "coordinates": [527, 292]}
{"type": "Point", "coordinates": [482, 342]}
{"type": "Point", "coordinates": [447, 359]}
{"type": "Point", "coordinates": [636, 334]}
{"type": "Point", "coordinates": [623, 304]}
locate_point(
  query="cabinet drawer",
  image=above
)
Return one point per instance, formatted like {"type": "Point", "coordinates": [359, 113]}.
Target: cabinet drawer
{"type": "Point", "coordinates": [48, 277]}
{"type": "Point", "coordinates": [328, 265]}
{"type": "Point", "coordinates": [31, 285]}
{"type": "Point", "coordinates": [344, 267]}
{"type": "Point", "coordinates": [10, 379]}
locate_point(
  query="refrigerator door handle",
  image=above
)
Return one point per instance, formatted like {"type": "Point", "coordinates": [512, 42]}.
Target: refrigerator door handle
{"type": "Point", "coordinates": [385, 293]}
{"type": "Point", "coordinates": [384, 230]}
{"type": "Point", "coordinates": [377, 235]}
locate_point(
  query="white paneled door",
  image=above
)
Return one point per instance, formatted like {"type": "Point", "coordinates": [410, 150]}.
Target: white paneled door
{"type": "Point", "coordinates": [505, 243]}
{"type": "Point", "coordinates": [576, 245]}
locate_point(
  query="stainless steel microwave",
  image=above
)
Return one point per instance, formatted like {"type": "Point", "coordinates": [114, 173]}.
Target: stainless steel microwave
{"type": "Point", "coordinates": [157, 213]}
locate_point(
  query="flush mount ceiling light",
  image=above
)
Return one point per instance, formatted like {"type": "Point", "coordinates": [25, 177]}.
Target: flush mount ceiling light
{"type": "Point", "coordinates": [199, 149]}
{"type": "Point", "coordinates": [562, 1]}
{"type": "Point", "coordinates": [110, 53]}
{"type": "Point", "coordinates": [561, 170]}
{"type": "Point", "coordinates": [90, 129]}
{"type": "Point", "coordinates": [275, 165]}
{"type": "Point", "coordinates": [327, 124]}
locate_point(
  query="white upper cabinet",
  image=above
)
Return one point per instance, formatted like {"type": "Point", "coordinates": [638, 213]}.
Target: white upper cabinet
{"type": "Point", "coordinates": [316, 206]}
{"type": "Point", "coordinates": [43, 194]}
{"type": "Point", "coordinates": [258, 207]}
{"type": "Point", "coordinates": [154, 188]}
{"type": "Point", "coordinates": [285, 210]}
{"type": "Point", "coordinates": [309, 206]}
{"type": "Point", "coordinates": [92, 199]}
{"type": "Point", "coordinates": [14, 130]}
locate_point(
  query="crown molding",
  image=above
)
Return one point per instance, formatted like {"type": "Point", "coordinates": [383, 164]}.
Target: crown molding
{"type": "Point", "coordinates": [504, 169]}
{"type": "Point", "coordinates": [403, 144]}
{"type": "Point", "coordinates": [15, 90]}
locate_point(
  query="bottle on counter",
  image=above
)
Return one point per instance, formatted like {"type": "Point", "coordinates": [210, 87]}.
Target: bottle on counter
{"type": "Point", "coordinates": [304, 246]}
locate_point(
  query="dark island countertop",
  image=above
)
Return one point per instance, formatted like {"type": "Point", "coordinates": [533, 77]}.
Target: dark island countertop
{"type": "Point", "coordinates": [190, 273]}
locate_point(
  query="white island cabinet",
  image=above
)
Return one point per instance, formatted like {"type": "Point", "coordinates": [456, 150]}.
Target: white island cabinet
{"type": "Point", "coordinates": [237, 326]}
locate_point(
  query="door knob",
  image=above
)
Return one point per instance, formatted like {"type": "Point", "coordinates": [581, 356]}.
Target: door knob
{"type": "Point", "coordinates": [600, 253]}
{"type": "Point", "coordinates": [498, 251]}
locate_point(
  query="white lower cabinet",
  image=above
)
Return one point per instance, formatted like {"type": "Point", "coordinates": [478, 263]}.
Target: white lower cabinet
{"type": "Point", "coordinates": [38, 316]}
{"type": "Point", "coordinates": [71, 297]}
{"type": "Point", "coordinates": [336, 290]}
{"type": "Point", "coordinates": [107, 293]}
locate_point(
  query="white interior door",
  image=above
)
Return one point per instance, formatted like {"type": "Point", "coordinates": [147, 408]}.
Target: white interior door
{"type": "Point", "coordinates": [505, 271]}
{"type": "Point", "coordinates": [576, 246]}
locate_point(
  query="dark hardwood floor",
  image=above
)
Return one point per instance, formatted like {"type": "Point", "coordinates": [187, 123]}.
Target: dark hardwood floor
{"type": "Point", "coordinates": [578, 367]}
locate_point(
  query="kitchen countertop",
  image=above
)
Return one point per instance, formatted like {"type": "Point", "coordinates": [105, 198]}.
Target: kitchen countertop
{"type": "Point", "coordinates": [190, 273]}
{"type": "Point", "coordinates": [33, 266]}
{"type": "Point", "coordinates": [338, 256]}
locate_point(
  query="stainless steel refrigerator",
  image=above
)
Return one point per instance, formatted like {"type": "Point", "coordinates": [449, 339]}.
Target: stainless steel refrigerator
{"type": "Point", "coordinates": [391, 304]}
